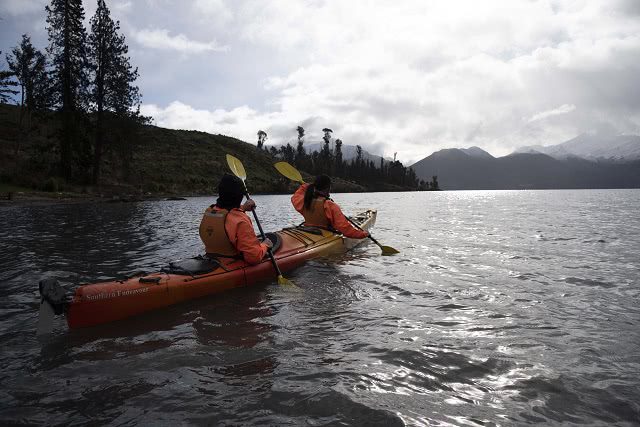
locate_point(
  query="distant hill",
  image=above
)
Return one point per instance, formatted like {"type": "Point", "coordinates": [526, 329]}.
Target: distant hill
{"type": "Point", "coordinates": [476, 152]}
{"type": "Point", "coordinates": [165, 161]}
{"type": "Point", "coordinates": [457, 169]}
{"type": "Point", "coordinates": [592, 146]}
{"type": "Point", "coordinates": [348, 151]}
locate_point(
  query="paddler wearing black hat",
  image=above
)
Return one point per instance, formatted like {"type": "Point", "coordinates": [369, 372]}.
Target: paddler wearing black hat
{"type": "Point", "coordinates": [226, 230]}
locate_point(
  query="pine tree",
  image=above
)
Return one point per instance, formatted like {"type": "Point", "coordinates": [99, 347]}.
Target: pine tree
{"type": "Point", "coordinates": [29, 65]}
{"type": "Point", "coordinates": [315, 163]}
{"type": "Point", "coordinates": [288, 153]}
{"type": "Point", "coordinates": [434, 183]}
{"type": "Point", "coordinates": [327, 137]}
{"type": "Point", "coordinates": [112, 78]}
{"type": "Point", "coordinates": [30, 68]}
{"type": "Point", "coordinates": [337, 158]}
{"type": "Point", "coordinates": [67, 52]}
{"type": "Point", "coordinates": [325, 153]}
{"type": "Point", "coordinates": [359, 155]}
{"type": "Point", "coordinates": [262, 138]}
{"type": "Point", "coordinates": [300, 151]}
{"type": "Point", "coordinates": [6, 83]}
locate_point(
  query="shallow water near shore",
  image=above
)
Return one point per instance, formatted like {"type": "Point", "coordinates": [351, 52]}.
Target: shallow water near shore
{"type": "Point", "coordinates": [503, 308]}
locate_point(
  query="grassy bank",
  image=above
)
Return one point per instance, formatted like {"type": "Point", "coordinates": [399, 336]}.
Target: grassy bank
{"type": "Point", "coordinates": [164, 162]}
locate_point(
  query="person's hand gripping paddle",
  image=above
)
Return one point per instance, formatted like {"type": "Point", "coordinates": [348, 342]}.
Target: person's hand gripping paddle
{"type": "Point", "coordinates": [238, 170]}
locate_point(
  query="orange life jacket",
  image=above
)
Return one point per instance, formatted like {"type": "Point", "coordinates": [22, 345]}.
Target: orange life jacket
{"type": "Point", "coordinates": [315, 215]}
{"type": "Point", "coordinates": [214, 234]}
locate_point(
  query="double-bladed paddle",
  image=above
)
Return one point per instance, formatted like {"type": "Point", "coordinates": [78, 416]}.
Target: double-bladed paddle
{"type": "Point", "coordinates": [292, 173]}
{"type": "Point", "coordinates": [238, 170]}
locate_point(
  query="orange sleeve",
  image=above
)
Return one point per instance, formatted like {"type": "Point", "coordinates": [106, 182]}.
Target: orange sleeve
{"type": "Point", "coordinates": [245, 239]}
{"type": "Point", "coordinates": [297, 200]}
{"type": "Point", "coordinates": [340, 223]}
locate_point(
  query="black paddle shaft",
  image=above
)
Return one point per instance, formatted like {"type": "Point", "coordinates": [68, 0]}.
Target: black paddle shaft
{"type": "Point", "coordinates": [374, 241]}
{"type": "Point", "coordinates": [360, 228]}
{"type": "Point", "coordinates": [255, 216]}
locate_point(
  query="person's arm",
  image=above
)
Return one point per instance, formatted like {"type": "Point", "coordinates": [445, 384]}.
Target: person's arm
{"type": "Point", "coordinates": [340, 223]}
{"type": "Point", "coordinates": [297, 200]}
{"type": "Point", "coordinates": [248, 244]}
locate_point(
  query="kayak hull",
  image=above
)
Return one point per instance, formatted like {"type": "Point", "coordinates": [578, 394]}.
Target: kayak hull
{"type": "Point", "coordinates": [105, 302]}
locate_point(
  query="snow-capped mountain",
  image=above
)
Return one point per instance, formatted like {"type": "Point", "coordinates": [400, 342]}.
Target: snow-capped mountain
{"type": "Point", "coordinates": [592, 146]}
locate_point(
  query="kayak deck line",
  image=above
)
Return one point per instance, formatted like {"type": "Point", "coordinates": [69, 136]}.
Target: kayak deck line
{"type": "Point", "coordinates": [104, 302]}
{"type": "Point", "coordinates": [298, 235]}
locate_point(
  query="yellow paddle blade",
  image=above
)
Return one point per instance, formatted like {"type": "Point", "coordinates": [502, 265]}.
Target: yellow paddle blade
{"type": "Point", "coordinates": [388, 250]}
{"type": "Point", "coordinates": [236, 167]}
{"type": "Point", "coordinates": [289, 171]}
{"type": "Point", "coordinates": [286, 282]}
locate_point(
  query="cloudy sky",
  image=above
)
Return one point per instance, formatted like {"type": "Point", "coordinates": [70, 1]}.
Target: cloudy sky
{"type": "Point", "coordinates": [406, 76]}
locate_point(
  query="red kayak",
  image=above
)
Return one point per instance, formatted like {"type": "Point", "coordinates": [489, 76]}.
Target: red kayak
{"type": "Point", "coordinates": [104, 302]}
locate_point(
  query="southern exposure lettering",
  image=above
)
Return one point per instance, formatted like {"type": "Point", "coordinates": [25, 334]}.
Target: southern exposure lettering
{"type": "Point", "coordinates": [108, 295]}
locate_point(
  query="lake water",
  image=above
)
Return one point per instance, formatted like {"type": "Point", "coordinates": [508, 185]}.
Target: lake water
{"type": "Point", "coordinates": [503, 308]}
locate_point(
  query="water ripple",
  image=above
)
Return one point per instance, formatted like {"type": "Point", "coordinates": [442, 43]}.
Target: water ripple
{"type": "Point", "coordinates": [504, 308]}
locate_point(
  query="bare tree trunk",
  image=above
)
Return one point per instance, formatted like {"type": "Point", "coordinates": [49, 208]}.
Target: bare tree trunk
{"type": "Point", "coordinates": [97, 158]}
{"type": "Point", "coordinates": [20, 118]}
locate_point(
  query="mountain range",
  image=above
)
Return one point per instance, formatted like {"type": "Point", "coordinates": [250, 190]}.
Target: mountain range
{"type": "Point", "coordinates": [592, 146]}
{"type": "Point", "coordinates": [587, 161]}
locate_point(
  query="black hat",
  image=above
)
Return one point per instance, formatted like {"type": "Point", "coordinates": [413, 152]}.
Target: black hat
{"type": "Point", "coordinates": [323, 183]}
{"type": "Point", "coordinates": [230, 192]}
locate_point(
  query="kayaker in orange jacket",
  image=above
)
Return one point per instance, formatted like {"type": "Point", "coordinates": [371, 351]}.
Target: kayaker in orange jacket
{"type": "Point", "coordinates": [226, 230]}
{"type": "Point", "coordinates": [318, 210]}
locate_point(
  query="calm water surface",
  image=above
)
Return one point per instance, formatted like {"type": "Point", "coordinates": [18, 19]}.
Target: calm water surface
{"type": "Point", "coordinates": [504, 308]}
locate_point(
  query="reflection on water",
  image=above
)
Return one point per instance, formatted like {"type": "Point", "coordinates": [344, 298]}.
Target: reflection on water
{"type": "Point", "coordinates": [504, 308]}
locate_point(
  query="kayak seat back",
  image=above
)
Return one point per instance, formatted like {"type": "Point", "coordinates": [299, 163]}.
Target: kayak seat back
{"type": "Point", "coordinates": [192, 266]}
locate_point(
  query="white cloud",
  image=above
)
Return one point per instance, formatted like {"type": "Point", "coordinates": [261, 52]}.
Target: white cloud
{"type": "Point", "coordinates": [239, 122]}
{"type": "Point", "coordinates": [563, 109]}
{"type": "Point", "coordinates": [124, 6]}
{"type": "Point", "coordinates": [161, 39]}
{"type": "Point", "coordinates": [215, 12]}
{"type": "Point", "coordinates": [21, 7]}
{"type": "Point", "coordinates": [420, 76]}
{"type": "Point", "coordinates": [410, 76]}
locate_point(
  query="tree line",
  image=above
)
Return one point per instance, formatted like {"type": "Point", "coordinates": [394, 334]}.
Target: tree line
{"type": "Point", "coordinates": [329, 160]}
{"type": "Point", "coordinates": [87, 77]}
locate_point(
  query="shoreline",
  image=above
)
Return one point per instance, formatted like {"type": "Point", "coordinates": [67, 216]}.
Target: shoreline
{"type": "Point", "coordinates": [27, 197]}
